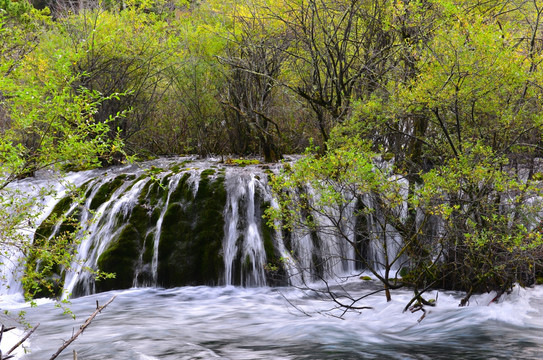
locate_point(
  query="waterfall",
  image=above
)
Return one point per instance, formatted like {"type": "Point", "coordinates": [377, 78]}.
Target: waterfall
{"type": "Point", "coordinates": [243, 238]}
{"type": "Point", "coordinates": [98, 233]}
{"type": "Point", "coordinates": [175, 222]}
{"type": "Point", "coordinates": [43, 193]}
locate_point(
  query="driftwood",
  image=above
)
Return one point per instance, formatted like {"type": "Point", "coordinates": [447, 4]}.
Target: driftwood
{"type": "Point", "coordinates": [3, 330]}
{"type": "Point", "coordinates": [20, 342]}
{"type": "Point", "coordinates": [82, 328]}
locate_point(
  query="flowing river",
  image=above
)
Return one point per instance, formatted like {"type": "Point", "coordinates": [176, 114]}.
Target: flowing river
{"type": "Point", "coordinates": [286, 323]}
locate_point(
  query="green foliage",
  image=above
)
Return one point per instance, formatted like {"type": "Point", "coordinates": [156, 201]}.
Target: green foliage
{"type": "Point", "coordinates": [46, 123]}
{"type": "Point", "coordinates": [490, 234]}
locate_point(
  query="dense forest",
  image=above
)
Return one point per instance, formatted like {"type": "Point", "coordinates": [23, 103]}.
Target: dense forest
{"type": "Point", "coordinates": [435, 106]}
{"type": "Point", "coordinates": [420, 80]}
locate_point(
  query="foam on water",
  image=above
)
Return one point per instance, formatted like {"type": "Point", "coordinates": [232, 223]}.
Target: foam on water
{"type": "Point", "coordinates": [265, 323]}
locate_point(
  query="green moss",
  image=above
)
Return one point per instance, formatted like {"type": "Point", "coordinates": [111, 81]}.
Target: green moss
{"type": "Point", "coordinates": [155, 215]}
{"type": "Point", "coordinates": [153, 191]}
{"type": "Point", "coordinates": [106, 190]}
{"type": "Point", "coordinates": [144, 194]}
{"type": "Point", "coordinates": [207, 173]}
{"type": "Point", "coordinates": [141, 177]}
{"type": "Point", "coordinates": [175, 256]}
{"type": "Point", "coordinates": [120, 258]}
{"type": "Point", "coordinates": [183, 192]}
{"type": "Point", "coordinates": [45, 230]}
{"type": "Point", "coordinates": [242, 162]}
{"type": "Point", "coordinates": [192, 233]}
{"type": "Point", "coordinates": [149, 248]}
{"type": "Point", "coordinates": [209, 228]}
{"type": "Point", "coordinates": [140, 218]}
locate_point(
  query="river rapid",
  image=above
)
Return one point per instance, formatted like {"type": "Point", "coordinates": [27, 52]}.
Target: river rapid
{"type": "Point", "coordinates": [287, 323]}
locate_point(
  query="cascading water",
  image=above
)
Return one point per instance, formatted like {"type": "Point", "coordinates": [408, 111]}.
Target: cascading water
{"type": "Point", "coordinates": [243, 238]}
{"type": "Point", "coordinates": [177, 222]}
{"type": "Point", "coordinates": [103, 228]}
{"type": "Point", "coordinates": [171, 183]}
{"type": "Point", "coordinates": [45, 192]}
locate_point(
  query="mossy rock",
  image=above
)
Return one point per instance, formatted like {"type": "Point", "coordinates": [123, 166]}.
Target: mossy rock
{"type": "Point", "coordinates": [175, 168]}
{"type": "Point", "coordinates": [140, 218]}
{"type": "Point", "coordinates": [157, 192]}
{"type": "Point", "coordinates": [183, 191]}
{"type": "Point", "coordinates": [242, 162]}
{"type": "Point", "coordinates": [207, 173]}
{"type": "Point", "coordinates": [127, 178]}
{"type": "Point", "coordinates": [45, 230]}
{"type": "Point", "coordinates": [120, 258]}
{"type": "Point", "coordinates": [192, 233]}
{"type": "Point", "coordinates": [105, 191]}
{"type": "Point", "coordinates": [148, 247]}
{"type": "Point", "coordinates": [175, 256]}
{"type": "Point", "coordinates": [155, 215]}
{"type": "Point", "coordinates": [145, 191]}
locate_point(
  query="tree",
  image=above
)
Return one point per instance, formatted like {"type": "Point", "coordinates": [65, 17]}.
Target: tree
{"type": "Point", "coordinates": [254, 59]}
{"type": "Point", "coordinates": [355, 198]}
{"type": "Point", "coordinates": [129, 52]}
{"type": "Point", "coordinates": [338, 53]}
{"type": "Point", "coordinates": [51, 126]}
{"type": "Point", "coordinates": [461, 131]}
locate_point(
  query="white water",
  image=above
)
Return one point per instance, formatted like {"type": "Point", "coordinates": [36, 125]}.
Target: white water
{"type": "Point", "coordinates": [327, 253]}
{"type": "Point", "coordinates": [172, 185]}
{"type": "Point", "coordinates": [47, 190]}
{"type": "Point", "coordinates": [259, 323]}
{"type": "Point", "coordinates": [101, 232]}
{"type": "Point", "coordinates": [242, 227]}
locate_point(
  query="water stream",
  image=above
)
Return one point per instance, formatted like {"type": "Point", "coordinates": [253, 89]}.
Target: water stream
{"type": "Point", "coordinates": [259, 323]}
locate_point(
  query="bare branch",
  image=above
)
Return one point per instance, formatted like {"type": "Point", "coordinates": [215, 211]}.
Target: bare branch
{"type": "Point", "coordinates": [83, 327]}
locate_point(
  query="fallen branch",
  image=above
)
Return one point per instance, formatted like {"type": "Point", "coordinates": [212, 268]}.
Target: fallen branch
{"type": "Point", "coordinates": [82, 328]}
{"type": "Point", "coordinates": [20, 342]}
